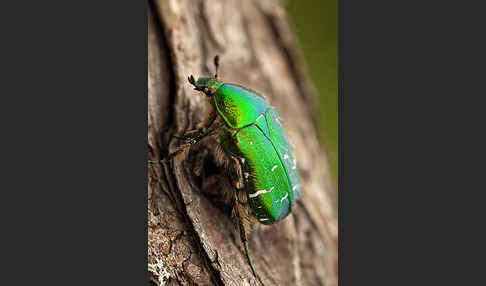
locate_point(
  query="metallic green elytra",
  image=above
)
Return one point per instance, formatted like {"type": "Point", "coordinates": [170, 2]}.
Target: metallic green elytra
{"type": "Point", "coordinates": [248, 137]}
{"type": "Point", "coordinates": [270, 174]}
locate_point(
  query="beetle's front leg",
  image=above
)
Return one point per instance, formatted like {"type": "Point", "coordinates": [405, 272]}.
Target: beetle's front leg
{"type": "Point", "coordinates": [200, 132]}
{"type": "Point", "coordinates": [193, 137]}
{"type": "Point", "coordinates": [192, 134]}
{"type": "Point", "coordinates": [171, 155]}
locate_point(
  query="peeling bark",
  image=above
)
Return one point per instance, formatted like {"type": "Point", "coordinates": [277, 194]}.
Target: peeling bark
{"type": "Point", "coordinates": [191, 238]}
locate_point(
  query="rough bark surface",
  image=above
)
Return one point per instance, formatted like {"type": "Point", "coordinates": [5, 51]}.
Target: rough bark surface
{"type": "Point", "coordinates": [191, 237]}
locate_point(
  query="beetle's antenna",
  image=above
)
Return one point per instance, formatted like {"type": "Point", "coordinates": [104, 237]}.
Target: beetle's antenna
{"type": "Point", "coordinates": [192, 80]}
{"type": "Point", "coordinates": [216, 63]}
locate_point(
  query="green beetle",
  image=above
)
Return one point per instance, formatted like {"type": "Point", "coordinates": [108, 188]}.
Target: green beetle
{"type": "Point", "coordinates": [247, 137]}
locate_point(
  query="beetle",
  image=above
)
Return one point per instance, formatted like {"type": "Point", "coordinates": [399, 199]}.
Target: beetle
{"type": "Point", "coordinates": [247, 137]}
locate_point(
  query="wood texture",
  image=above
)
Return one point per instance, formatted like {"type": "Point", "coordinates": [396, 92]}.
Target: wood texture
{"type": "Point", "coordinates": [191, 238]}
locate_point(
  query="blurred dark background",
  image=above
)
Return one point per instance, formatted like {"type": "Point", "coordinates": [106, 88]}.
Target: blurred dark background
{"type": "Point", "coordinates": [316, 26]}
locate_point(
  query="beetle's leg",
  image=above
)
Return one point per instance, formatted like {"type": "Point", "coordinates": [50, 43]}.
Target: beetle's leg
{"type": "Point", "coordinates": [171, 155]}
{"type": "Point", "coordinates": [244, 230]}
{"type": "Point", "coordinates": [181, 149]}
{"type": "Point", "coordinates": [199, 132]}
{"type": "Point", "coordinates": [192, 134]}
{"type": "Point", "coordinates": [188, 135]}
{"type": "Point", "coordinates": [188, 143]}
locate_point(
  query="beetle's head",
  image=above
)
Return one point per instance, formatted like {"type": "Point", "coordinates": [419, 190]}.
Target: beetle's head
{"type": "Point", "coordinates": [208, 85]}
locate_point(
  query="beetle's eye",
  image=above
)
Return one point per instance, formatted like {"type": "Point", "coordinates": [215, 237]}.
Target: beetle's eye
{"type": "Point", "coordinates": [210, 91]}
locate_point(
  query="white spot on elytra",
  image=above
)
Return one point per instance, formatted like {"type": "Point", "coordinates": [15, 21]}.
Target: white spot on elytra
{"type": "Point", "coordinates": [286, 156]}
{"type": "Point", "coordinates": [257, 193]}
{"type": "Point", "coordinates": [246, 175]}
{"type": "Point", "coordinates": [243, 160]}
{"type": "Point", "coordinates": [286, 195]}
{"type": "Point", "coordinates": [251, 142]}
{"type": "Point", "coordinates": [263, 219]}
{"type": "Point", "coordinates": [274, 167]}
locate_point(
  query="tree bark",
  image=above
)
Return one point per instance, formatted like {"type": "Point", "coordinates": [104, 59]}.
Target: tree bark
{"type": "Point", "coordinates": [191, 237]}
